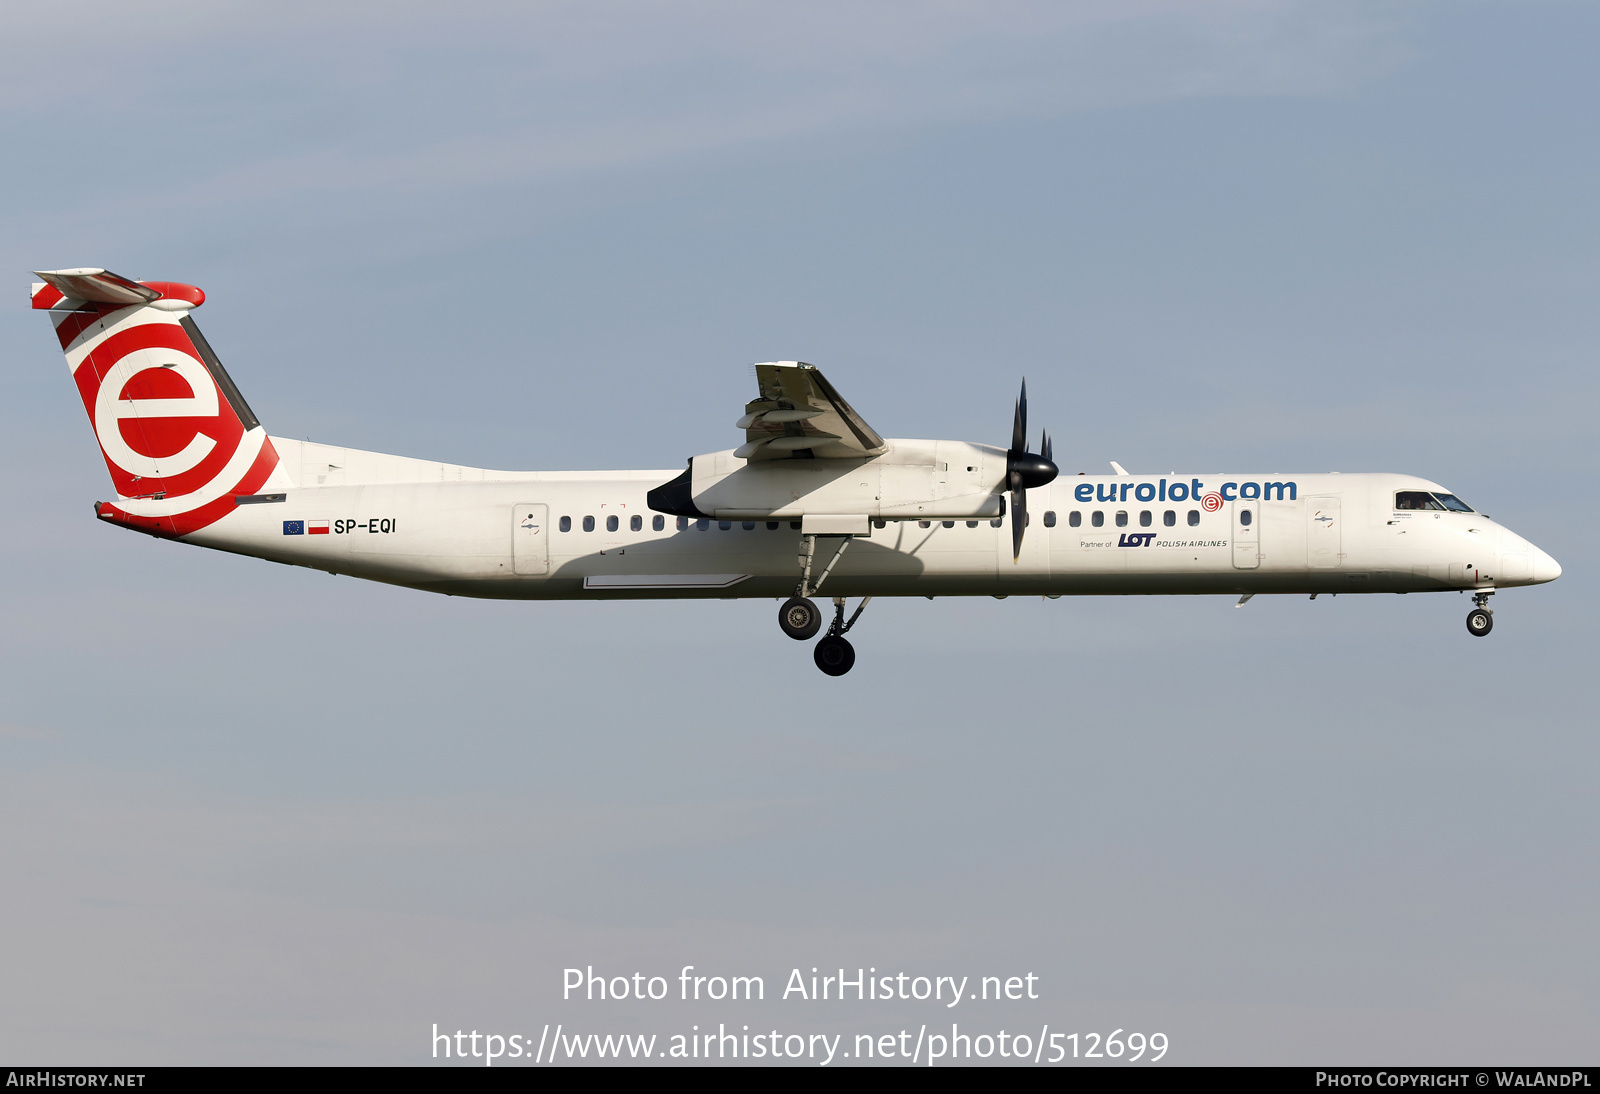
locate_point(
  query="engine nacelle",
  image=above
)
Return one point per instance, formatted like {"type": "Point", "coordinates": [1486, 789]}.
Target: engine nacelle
{"type": "Point", "coordinates": [913, 480]}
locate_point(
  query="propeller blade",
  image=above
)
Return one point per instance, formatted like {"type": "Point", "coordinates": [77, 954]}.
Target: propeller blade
{"type": "Point", "coordinates": [1019, 521]}
{"type": "Point", "coordinates": [1019, 424]}
{"type": "Point", "coordinates": [1024, 471]}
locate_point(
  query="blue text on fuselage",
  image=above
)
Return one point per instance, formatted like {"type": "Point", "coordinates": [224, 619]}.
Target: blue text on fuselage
{"type": "Point", "coordinates": [1192, 490]}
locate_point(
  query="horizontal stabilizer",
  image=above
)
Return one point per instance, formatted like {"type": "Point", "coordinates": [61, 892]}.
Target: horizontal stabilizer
{"type": "Point", "coordinates": [98, 286]}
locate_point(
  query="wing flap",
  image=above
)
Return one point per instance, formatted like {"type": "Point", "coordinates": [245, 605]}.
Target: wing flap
{"type": "Point", "coordinates": [799, 411]}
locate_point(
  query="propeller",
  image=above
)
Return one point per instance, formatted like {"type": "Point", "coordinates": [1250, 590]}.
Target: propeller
{"type": "Point", "coordinates": [1025, 470]}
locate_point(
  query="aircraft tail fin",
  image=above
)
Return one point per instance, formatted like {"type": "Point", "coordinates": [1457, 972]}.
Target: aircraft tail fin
{"type": "Point", "coordinates": [177, 436]}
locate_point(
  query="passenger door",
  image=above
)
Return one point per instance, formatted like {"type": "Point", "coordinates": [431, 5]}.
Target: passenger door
{"type": "Point", "coordinates": [1323, 533]}
{"type": "Point", "coordinates": [530, 539]}
{"type": "Point", "coordinates": [1246, 535]}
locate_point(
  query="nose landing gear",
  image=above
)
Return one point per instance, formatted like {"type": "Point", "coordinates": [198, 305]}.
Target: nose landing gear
{"type": "Point", "coordinates": [1480, 620]}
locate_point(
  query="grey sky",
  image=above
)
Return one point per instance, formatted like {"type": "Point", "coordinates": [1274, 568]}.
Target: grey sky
{"type": "Point", "coordinates": [254, 814]}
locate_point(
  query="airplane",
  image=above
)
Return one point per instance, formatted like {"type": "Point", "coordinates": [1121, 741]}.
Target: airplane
{"type": "Point", "coordinates": [813, 498]}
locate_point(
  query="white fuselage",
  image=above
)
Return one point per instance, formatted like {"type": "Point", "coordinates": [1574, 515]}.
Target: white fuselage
{"type": "Point", "coordinates": [471, 532]}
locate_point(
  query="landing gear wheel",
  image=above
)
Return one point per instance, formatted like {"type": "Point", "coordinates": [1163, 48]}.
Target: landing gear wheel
{"type": "Point", "coordinates": [799, 618]}
{"type": "Point", "coordinates": [834, 655]}
{"type": "Point", "coordinates": [1480, 621]}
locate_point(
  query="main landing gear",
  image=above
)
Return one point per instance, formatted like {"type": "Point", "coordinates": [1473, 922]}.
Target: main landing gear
{"type": "Point", "coordinates": [834, 655]}
{"type": "Point", "coordinates": [800, 618]}
{"type": "Point", "coordinates": [1480, 620]}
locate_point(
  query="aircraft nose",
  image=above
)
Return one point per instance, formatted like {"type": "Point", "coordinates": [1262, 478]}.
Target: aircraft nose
{"type": "Point", "coordinates": [1545, 568]}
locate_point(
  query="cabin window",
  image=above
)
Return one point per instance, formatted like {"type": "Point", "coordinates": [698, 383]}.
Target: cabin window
{"type": "Point", "coordinates": [1049, 518]}
{"type": "Point", "coordinates": [1416, 499]}
{"type": "Point", "coordinates": [972, 524]}
{"type": "Point", "coordinates": [703, 525]}
{"type": "Point", "coordinates": [566, 524]}
{"type": "Point", "coordinates": [1245, 517]}
{"type": "Point", "coordinates": [995, 523]}
{"type": "Point", "coordinates": [794, 526]}
{"type": "Point", "coordinates": [772, 526]}
{"type": "Point", "coordinates": [1075, 518]}
{"type": "Point", "coordinates": [588, 524]}
{"type": "Point", "coordinates": [636, 523]}
{"type": "Point", "coordinates": [1144, 518]}
{"type": "Point", "coordinates": [1453, 503]}
{"type": "Point", "coordinates": [1122, 518]}
{"type": "Point", "coordinates": [659, 523]}
{"type": "Point", "coordinates": [748, 525]}
{"type": "Point", "coordinates": [1169, 518]}
{"type": "Point", "coordinates": [611, 524]}
{"type": "Point", "coordinates": [683, 523]}
{"type": "Point", "coordinates": [878, 523]}
{"type": "Point", "coordinates": [725, 524]}
{"type": "Point", "coordinates": [924, 524]}
{"type": "Point", "coordinates": [948, 523]}
{"type": "Point", "coordinates": [1194, 518]}
{"type": "Point", "coordinates": [1098, 519]}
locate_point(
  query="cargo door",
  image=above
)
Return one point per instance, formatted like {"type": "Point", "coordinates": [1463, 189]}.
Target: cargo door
{"type": "Point", "coordinates": [1246, 535]}
{"type": "Point", "coordinates": [530, 539]}
{"type": "Point", "coordinates": [1323, 533]}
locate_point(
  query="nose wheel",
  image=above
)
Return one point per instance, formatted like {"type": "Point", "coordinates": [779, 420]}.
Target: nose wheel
{"type": "Point", "coordinates": [1480, 620]}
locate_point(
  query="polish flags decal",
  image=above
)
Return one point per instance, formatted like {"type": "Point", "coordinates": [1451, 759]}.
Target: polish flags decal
{"type": "Point", "coordinates": [305, 527]}
{"type": "Point", "coordinates": [316, 527]}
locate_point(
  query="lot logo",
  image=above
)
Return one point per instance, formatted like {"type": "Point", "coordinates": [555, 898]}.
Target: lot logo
{"type": "Point", "coordinates": [1211, 502]}
{"type": "Point", "coordinates": [1136, 539]}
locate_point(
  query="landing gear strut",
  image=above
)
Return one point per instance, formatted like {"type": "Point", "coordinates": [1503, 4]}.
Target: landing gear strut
{"type": "Point", "coordinates": [1480, 620]}
{"type": "Point", "coordinates": [800, 617]}
{"type": "Point", "coordinates": [834, 654]}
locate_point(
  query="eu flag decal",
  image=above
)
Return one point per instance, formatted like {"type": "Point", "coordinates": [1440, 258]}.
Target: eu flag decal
{"type": "Point", "coordinates": [294, 527]}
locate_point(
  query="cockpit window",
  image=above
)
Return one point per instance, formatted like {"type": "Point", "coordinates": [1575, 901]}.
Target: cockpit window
{"type": "Point", "coordinates": [1421, 499]}
{"type": "Point", "coordinates": [1415, 499]}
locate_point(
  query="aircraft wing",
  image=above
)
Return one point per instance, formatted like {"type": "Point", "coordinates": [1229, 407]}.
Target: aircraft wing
{"type": "Point", "coordinates": [798, 411]}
